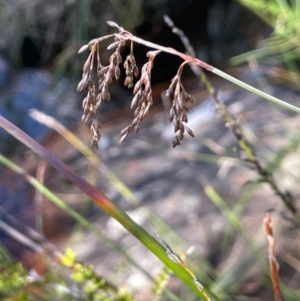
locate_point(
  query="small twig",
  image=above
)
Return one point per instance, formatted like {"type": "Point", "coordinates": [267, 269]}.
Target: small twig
{"type": "Point", "coordinates": [274, 266]}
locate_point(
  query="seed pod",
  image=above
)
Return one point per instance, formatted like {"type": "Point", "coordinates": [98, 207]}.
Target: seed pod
{"type": "Point", "coordinates": [135, 121]}
{"type": "Point", "coordinates": [180, 102]}
{"type": "Point", "coordinates": [189, 131]}
{"type": "Point", "coordinates": [105, 95]}
{"type": "Point", "coordinates": [98, 105]}
{"type": "Point", "coordinates": [113, 24]}
{"type": "Point", "coordinates": [177, 108]}
{"type": "Point", "coordinates": [135, 70]}
{"type": "Point", "coordinates": [135, 100]}
{"type": "Point", "coordinates": [123, 138]}
{"type": "Point", "coordinates": [94, 143]}
{"type": "Point", "coordinates": [137, 86]}
{"type": "Point", "coordinates": [97, 123]}
{"type": "Point", "coordinates": [126, 81]}
{"type": "Point", "coordinates": [168, 93]}
{"type": "Point", "coordinates": [137, 111]}
{"type": "Point", "coordinates": [117, 73]}
{"type": "Point", "coordinates": [181, 127]}
{"type": "Point", "coordinates": [84, 102]}
{"type": "Point", "coordinates": [83, 48]}
{"type": "Point", "coordinates": [176, 124]}
{"type": "Point", "coordinates": [180, 136]}
{"type": "Point", "coordinates": [97, 136]}
{"type": "Point", "coordinates": [184, 117]}
{"type": "Point", "coordinates": [171, 115]}
{"type": "Point", "coordinates": [148, 87]}
{"type": "Point", "coordinates": [111, 71]}
{"type": "Point", "coordinates": [118, 59]}
{"type": "Point", "coordinates": [104, 87]}
{"type": "Point", "coordinates": [185, 95]}
{"type": "Point", "coordinates": [172, 85]}
{"type": "Point", "coordinates": [100, 84]}
{"type": "Point", "coordinates": [141, 100]}
{"type": "Point", "coordinates": [113, 45]}
{"type": "Point", "coordinates": [101, 71]}
{"type": "Point", "coordinates": [83, 83]}
{"type": "Point", "coordinates": [124, 131]}
{"type": "Point", "coordinates": [150, 100]}
{"type": "Point", "coordinates": [86, 117]}
{"type": "Point", "coordinates": [177, 91]}
{"type": "Point", "coordinates": [86, 65]}
{"type": "Point", "coordinates": [146, 111]}
{"type": "Point", "coordinates": [175, 142]}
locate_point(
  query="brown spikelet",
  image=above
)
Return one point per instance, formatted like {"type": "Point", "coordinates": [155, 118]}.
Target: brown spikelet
{"type": "Point", "coordinates": [142, 91]}
{"type": "Point", "coordinates": [98, 90]}
{"type": "Point", "coordinates": [179, 107]}
{"type": "Point", "coordinates": [131, 69]}
{"type": "Point", "coordinates": [97, 81]}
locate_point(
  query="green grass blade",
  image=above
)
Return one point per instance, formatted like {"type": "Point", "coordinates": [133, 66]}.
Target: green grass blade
{"type": "Point", "coordinates": [257, 91]}
{"type": "Point", "coordinates": [106, 204]}
{"type": "Point", "coordinates": [62, 205]}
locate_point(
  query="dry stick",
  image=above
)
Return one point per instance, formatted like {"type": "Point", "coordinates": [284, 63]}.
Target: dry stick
{"type": "Point", "coordinates": [274, 267]}
{"type": "Point", "coordinates": [234, 125]}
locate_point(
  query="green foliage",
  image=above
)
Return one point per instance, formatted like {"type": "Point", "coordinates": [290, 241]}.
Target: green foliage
{"type": "Point", "coordinates": [283, 44]}
{"type": "Point", "coordinates": [12, 277]}
{"type": "Point", "coordinates": [161, 282]}
{"type": "Point", "coordinates": [16, 283]}
{"type": "Point", "coordinates": [68, 259]}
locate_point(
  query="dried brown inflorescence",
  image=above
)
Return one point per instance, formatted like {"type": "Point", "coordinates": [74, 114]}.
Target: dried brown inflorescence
{"type": "Point", "coordinates": [99, 91]}
{"type": "Point", "coordinates": [142, 100]}
{"type": "Point", "coordinates": [179, 108]}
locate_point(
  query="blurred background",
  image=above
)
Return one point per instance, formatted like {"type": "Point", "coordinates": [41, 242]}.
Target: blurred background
{"type": "Point", "coordinates": [39, 72]}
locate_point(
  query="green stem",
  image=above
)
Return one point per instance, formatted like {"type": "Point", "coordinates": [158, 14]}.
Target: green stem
{"type": "Point", "coordinates": [128, 36]}
{"type": "Point", "coordinates": [256, 91]}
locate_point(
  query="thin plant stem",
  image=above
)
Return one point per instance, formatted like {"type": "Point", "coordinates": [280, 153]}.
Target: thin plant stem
{"type": "Point", "coordinates": [212, 69]}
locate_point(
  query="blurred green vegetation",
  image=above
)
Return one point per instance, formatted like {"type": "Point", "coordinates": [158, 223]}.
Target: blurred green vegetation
{"type": "Point", "coordinates": [282, 46]}
{"type": "Point", "coordinates": [55, 29]}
